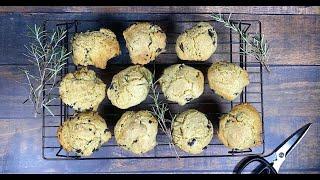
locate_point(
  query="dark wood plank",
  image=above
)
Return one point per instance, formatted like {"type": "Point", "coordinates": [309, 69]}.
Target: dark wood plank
{"type": "Point", "coordinates": [294, 90]}
{"type": "Point", "coordinates": [13, 93]}
{"type": "Point", "coordinates": [295, 40]}
{"type": "Point", "coordinates": [14, 36]}
{"type": "Point", "coordinates": [168, 9]}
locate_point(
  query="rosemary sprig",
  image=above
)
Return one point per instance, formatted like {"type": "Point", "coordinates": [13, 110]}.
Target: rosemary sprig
{"type": "Point", "coordinates": [159, 109]}
{"type": "Point", "coordinates": [258, 46]}
{"type": "Point", "coordinates": [48, 56]}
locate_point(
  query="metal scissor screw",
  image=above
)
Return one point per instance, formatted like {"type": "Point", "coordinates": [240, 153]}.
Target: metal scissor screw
{"type": "Point", "coordinates": [281, 155]}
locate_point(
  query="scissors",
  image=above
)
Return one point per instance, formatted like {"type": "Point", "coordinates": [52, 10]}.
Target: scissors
{"type": "Point", "coordinates": [271, 163]}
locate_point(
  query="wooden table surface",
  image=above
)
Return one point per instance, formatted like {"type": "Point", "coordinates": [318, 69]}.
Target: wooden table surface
{"type": "Point", "coordinates": [291, 92]}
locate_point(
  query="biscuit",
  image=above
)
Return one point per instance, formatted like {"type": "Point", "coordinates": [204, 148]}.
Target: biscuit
{"type": "Point", "coordinates": [227, 79]}
{"type": "Point", "coordinates": [84, 133]}
{"type": "Point", "coordinates": [192, 131]}
{"type": "Point", "coordinates": [130, 87]}
{"type": "Point", "coordinates": [197, 43]}
{"type": "Point", "coordinates": [144, 41]}
{"type": "Point", "coordinates": [241, 128]}
{"type": "Point", "coordinates": [95, 48]}
{"type": "Point", "coordinates": [136, 131]}
{"type": "Point", "coordinates": [82, 90]}
{"type": "Point", "coordinates": [181, 83]}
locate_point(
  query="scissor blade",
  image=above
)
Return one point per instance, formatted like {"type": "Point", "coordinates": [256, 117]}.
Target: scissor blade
{"type": "Point", "coordinates": [290, 143]}
{"type": "Point", "coordinates": [282, 151]}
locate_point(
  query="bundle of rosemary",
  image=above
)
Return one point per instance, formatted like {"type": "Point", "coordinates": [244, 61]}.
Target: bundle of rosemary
{"type": "Point", "coordinates": [257, 45]}
{"type": "Point", "coordinates": [48, 57]}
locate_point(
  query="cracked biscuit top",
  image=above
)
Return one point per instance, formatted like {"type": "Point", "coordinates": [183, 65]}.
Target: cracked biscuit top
{"type": "Point", "coordinates": [192, 131]}
{"type": "Point", "coordinates": [227, 79]}
{"type": "Point", "coordinates": [181, 83]}
{"type": "Point", "coordinates": [241, 128]}
{"type": "Point", "coordinates": [82, 90]}
{"type": "Point", "coordinates": [144, 41]}
{"type": "Point", "coordinates": [197, 43]}
{"type": "Point", "coordinates": [95, 48]}
{"type": "Point", "coordinates": [136, 131]}
{"type": "Point", "coordinates": [84, 133]}
{"type": "Point", "coordinates": [130, 87]}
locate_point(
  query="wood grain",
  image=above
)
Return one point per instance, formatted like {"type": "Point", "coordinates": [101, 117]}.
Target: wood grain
{"type": "Point", "coordinates": [167, 9]}
{"type": "Point", "coordinates": [291, 96]}
{"type": "Point", "coordinates": [295, 90]}
{"type": "Point", "coordinates": [295, 41]}
{"type": "Point", "coordinates": [13, 93]}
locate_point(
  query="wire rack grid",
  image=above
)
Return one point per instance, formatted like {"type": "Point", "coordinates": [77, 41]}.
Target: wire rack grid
{"type": "Point", "coordinates": [230, 47]}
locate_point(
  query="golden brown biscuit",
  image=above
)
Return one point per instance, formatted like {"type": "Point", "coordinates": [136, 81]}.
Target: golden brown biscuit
{"type": "Point", "coordinates": [136, 131]}
{"type": "Point", "coordinates": [241, 128]}
{"type": "Point", "coordinates": [130, 87]}
{"type": "Point", "coordinates": [84, 133]}
{"type": "Point", "coordinates": [95, 48]}
{"type": "Point", "coordinates": [192, 131]}
{"type": "Point", "coordinates": [227, 79]}
{"type": "Point", "coordinates": [144, 42]}
{"type": "Point", "coordinates": [82, 90]}
{"type": "Point", "coordinates": [197, 43]}
{"type": "Point", "coordinates": [181, 83]}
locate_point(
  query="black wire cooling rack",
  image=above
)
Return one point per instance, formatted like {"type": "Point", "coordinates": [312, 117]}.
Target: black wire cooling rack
{"type": "Point", "coordinates": [230, 48]}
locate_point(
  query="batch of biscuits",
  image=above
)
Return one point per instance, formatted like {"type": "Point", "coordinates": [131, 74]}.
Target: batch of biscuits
{"type": "Point", "coordinates": [136, 131]}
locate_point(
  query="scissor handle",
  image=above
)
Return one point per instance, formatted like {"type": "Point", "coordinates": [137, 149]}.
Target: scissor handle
{"type": "Point", "coordinates": [263, 168]}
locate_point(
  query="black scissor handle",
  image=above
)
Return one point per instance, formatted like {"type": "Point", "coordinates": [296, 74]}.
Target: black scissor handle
{"type": "Point", "coordinates": [263, 168]}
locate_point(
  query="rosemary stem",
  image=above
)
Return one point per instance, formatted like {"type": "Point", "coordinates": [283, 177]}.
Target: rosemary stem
{"type": "Point", "coordinates": [159, 110]}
